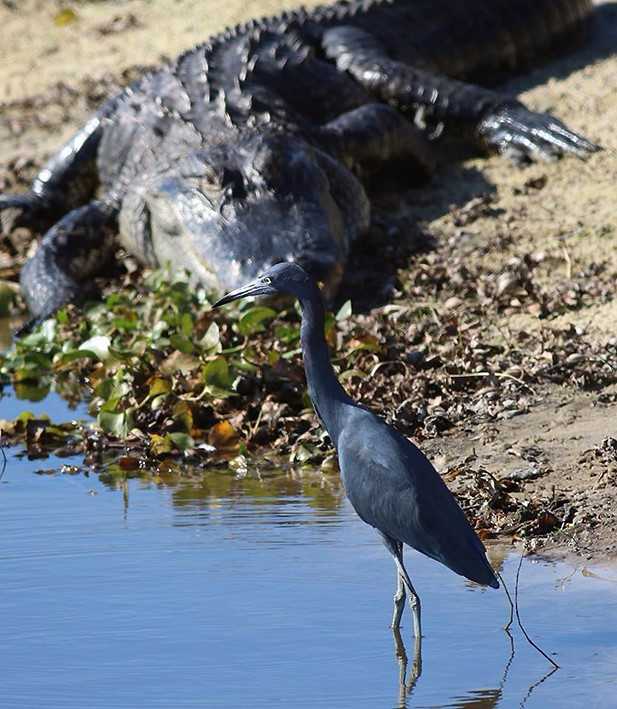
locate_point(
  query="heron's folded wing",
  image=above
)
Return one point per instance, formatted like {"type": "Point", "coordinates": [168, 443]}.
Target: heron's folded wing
{"type": "Point", "coordinates": [394, 488]}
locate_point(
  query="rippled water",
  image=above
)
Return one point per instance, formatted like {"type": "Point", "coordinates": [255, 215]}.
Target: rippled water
{"type": "Point", "coordinates": [253, 593]}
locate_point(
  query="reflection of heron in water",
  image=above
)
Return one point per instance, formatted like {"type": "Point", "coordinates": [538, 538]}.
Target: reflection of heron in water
{"type": "Point", "coordinates": [409, 676]}
{"type": "Point", "coordinates": [475, 699]}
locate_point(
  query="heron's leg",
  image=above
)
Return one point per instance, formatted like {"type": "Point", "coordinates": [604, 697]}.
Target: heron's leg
{"type": "Point", "coordinates": [399, 601]}
{"type": "Point", "coordinates": [414, 599]}
{"type": "Point", "coordinates": [396, 549]}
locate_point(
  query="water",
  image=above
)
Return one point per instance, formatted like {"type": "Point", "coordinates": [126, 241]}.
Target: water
{"type": "Point", "coordinates": [52, 405]}
{"type": "Point", "coordinates": [230, 593]}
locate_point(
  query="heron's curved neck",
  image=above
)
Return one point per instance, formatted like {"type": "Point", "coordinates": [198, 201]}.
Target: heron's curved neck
{"type": "Point", "coordinates": [328, 396]}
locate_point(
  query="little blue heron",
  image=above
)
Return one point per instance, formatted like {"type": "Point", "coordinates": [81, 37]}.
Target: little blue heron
{"type": "Point", "coordinates": [388, 480]}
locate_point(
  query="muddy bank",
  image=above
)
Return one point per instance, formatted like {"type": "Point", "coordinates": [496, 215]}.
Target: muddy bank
{"type": "Point", "coordinates": [497, 287]}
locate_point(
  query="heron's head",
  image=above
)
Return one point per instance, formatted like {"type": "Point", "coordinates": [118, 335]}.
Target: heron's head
{"type": "Point", "coordinates": [228, 211]}
{"type": "Point", "coordinates": [282, 278]}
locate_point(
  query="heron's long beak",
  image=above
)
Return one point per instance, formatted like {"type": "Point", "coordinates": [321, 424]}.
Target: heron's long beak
{"type": "Point", "coordinates": [254, 288]}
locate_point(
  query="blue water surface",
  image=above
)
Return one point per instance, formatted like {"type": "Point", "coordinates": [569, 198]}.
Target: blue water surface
{"type": "Point", "coordinates": [218, 592]}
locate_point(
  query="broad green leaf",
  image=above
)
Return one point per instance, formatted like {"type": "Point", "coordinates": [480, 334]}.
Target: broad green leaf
{"type": "Point", "coordinates": [287, 333]}
{"type": "Point", "coordinates": [45, 334]}
{"type": "Point", "coordinates": [121, 354]}
{"type": "Point", "coordinates": [216, 374]}
{"type": "Point", "coordinates": [183, 415]}
{"type": "Point", "coordinates": [67, 357]}
{"type": "Point", "coordinates": [30, 391]}
{"type": "Point", "coordinates": [112, 404]}
{"type": "Point", "coordinates": [32, 367]}
{"type": "Point", "coordinates": [186, 324]}
{"type": "Point", "coordinates": [37, 359]}
{"type": "Point", "coordinates": [157, 402]}
{"type": "Point", "coordinates": [25, 416]}
{"type": "Point", "coordinates": [99, 344]}
{"type": "Point", "coordinates": [62, 316]}
{"type": "Point", "coordinates": [181, 343]}
{"type": "Point", "coordinates": [159, 445]}
{"type": "Point", "coordinates": [121, 388]}
{"type": "Point", "coordinates": [115, 299]}
{"type": "Point", "coordinates": [244, 366]}
{"type": "Point", "coordinates": [212, 339]}
{"type": "Point", "coordinates": [125, 324]}
{"type": "Point", "coordinates": [159, 386]}
{"type": "Point", "coordinates": [104, 388]}
{"type": "Point", "coordinates": [182, 441]}
{"type": "Point", "coordinates": [253, 320]}
{"type": "Point", "coordinates": [118, 424]}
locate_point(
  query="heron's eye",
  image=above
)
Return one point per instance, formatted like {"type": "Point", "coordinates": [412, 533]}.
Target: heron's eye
{"type": "Point", "coordinates": [266, 280]}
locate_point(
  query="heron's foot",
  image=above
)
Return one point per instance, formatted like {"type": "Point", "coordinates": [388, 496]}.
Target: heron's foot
{"type": "Point", "coordinates": [525, 136]}
{"type": "Point", "coordinates": [416, 610]}
{"type": "Point", "coordinates": [399, 607]}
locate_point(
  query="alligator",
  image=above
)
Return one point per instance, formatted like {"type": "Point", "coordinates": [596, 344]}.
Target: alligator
{"type": "Point", "coordinates": [256, 146]}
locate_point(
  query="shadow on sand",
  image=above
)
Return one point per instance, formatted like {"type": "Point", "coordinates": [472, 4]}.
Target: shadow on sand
{"type": "Point", "coordinates": [395, 237]}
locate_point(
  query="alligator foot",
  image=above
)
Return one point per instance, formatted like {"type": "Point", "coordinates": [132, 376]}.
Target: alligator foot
{"type": "Point", "coordinates": [71, 252]}
{"type": "Point", "coordinates": [525, 136]}
{"type": "Point", "coordinates": [25, 210]}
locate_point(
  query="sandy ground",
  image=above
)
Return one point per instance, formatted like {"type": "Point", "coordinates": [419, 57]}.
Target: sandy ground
{"type": "Point", "coordinates": [59, 58]}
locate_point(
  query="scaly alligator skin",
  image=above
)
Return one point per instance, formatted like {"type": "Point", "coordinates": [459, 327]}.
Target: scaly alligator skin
{"type": "Point", "coordinates": [253, 147]}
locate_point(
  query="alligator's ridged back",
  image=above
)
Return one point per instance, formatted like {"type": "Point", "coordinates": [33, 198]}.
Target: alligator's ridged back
{"type": "Point", "coordinates": [478, 40]}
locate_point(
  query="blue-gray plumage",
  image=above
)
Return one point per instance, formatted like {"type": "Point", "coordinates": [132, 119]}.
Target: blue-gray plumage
{"type": "Point", "coordinates": [388, 480]}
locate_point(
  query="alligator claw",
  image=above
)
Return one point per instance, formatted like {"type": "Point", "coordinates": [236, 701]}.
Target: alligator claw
{"type": "Point", "coordinates": [27, 327]}
{"type": "Point", "coordinates": [525, 136]}
{"type": "Point", "coordinates": [18, 210]}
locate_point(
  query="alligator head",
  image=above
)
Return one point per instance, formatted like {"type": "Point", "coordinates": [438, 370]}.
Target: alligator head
{"type": "Point", "coordinates": [231, 210]}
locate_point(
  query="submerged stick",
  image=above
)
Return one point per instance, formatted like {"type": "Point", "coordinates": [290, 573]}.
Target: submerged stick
{"type": "Point", "coordinates": [507, 626]}
{"type": "Point", "coordinates": [514, 606]}
{"type": "Point", "coordinates": [4, 461]}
